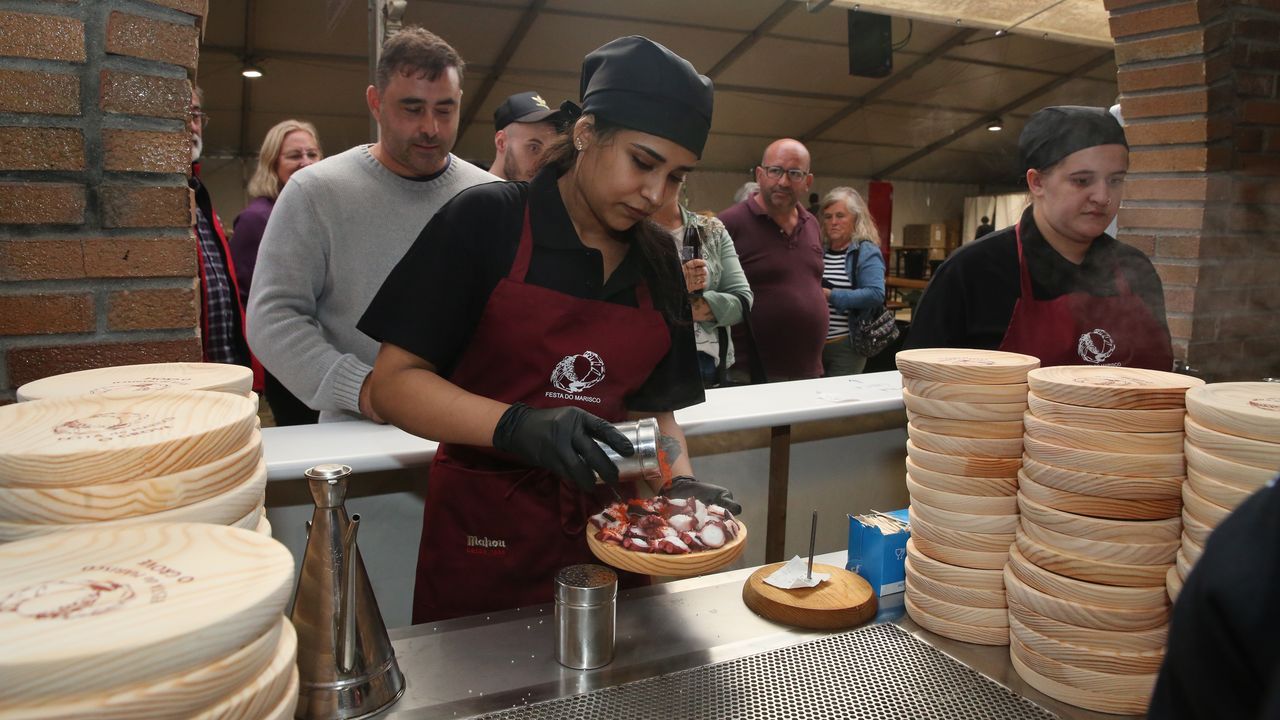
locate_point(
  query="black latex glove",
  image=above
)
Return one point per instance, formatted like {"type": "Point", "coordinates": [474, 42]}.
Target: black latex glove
{"type": "Point", "coordinates": [683, 486]}
{"type": "Point", "coordinates": [562, 440]}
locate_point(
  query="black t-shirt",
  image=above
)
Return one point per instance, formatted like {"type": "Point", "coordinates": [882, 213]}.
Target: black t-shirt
{"type": "Point", "coordinates": [432, 301]}
{"type": "Point", "coordinates": [970, 299]}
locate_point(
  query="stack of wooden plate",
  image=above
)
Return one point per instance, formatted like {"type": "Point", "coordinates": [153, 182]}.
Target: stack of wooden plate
{"type": "Point", "coordinates": [965, 428]}
{"type": "Point", "coordinates": [107, 460]}
{"type": "Point", "coordinates": [1100, 499]}
{"type": "Point", "coordinates": [1233, 449]}
{"type": "Point", "coordinates": [124, 380]}
{"type": "Point", "coordinates": [163, 620]}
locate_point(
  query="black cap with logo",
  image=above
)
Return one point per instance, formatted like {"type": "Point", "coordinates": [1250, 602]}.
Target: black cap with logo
{"type": "Point", "coordinates": [525, 107]}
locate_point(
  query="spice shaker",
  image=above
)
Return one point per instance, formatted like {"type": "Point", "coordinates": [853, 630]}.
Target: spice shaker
{"type": "Point", "coordinates": [644, 463]}
{"type": "Point", "coordinates": [585, 616]}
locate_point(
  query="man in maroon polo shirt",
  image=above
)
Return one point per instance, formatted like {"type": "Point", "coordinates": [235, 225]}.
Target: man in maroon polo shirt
{"type": "Point", "coordinates": [781, 252]}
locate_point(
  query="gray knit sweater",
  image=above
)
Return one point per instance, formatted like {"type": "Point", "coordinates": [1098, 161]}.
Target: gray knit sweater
{"type": "Point", "coordinates": [337, 230]}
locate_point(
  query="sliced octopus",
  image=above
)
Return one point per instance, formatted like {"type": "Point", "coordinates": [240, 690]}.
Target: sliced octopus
{"type": "Point", "coordinates": [673, 526]}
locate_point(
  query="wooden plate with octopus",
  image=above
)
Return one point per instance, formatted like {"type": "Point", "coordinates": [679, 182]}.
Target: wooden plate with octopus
{"type": "Point", "coordinates": [686, 565]}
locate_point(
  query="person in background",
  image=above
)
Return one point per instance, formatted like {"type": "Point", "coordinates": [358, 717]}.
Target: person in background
{"type": "Point", "coordinates": [852, 276]}
{"type": "Point", "coordinates": [814, 206]}
{"type": "Point", "coordinates": [1055, 285]}
{"type": "Point", "coordinates": [715, 281]}
{"type": "Point", "coordinates": [781, 253]}
{"type": "Point", "coordinates": [288, 147]}
{"type": "Point", "coordinates": [985, 228]}
{"type": "Point", "coordinates": [339, 227]}
{"type": "Point", "coordinates": [524, 128]}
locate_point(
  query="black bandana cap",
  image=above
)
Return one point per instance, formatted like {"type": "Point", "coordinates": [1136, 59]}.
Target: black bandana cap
{"type": "Point", "coordinates": [641, 85]}
{"type": "Point", "coordinates": [1053, 133]}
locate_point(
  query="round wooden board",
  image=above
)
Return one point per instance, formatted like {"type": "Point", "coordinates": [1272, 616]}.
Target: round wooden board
{"type": "Point", "coordinates": [842, 601]}
{"type": "Point", "coordinates": [1173, 583]}
{"type": "Point", "coordinates": [1246, 409]}
{"type": "Point", "coordinates": [1139, 663]}
{"type": "Point", "coordinates": [229, 508]}
{"type": "Point", "coordinates": [963, 484]}
{"type": "Point", "coordinates": [989, 429]}
{"type": "Point", "coordinates": [962, 614]}
{"type": "Point", "coordinates": [128, 380]}
{"type": "Point", "coordinates": [100, 608]}
{"type": "Point", "coordinates": [1073, 590]}
{"type": "Point", "coordinates": [1109, 641]}
{"type": "Point", "coordinates": [1218, 493]}
{"type": "Point", "coordinates": [1243, 450]}
{"type": "Point", "coordinates": [258, 697]}
{"type": "Point", "coordinates": [1134, 688]}
{"type": "Point", "coordinates": [1119, 553]}
{"type": "Point", "coordinates": [963, 558]}
{"type": "Point", "coordinates": [955, 594]}
{"type": "Point", "coordinates": [1074, 613]}
{"type": "Point", "coordinates": [1112, 387]}
{"type": "Point", "coordinates": [687, 565]}
{"type": "Point", "coordinates": [1103, 440]}
{"type": "Point", "coordinates": [964, 522]}
{"type": "Point", "coordinates": [1194, 529]}
{"type": "Point", "coordinates": [962, 392]}
{"type": "Point", "coordinates": [958, 465]}
{"type": "Point", "coordinates": [1183, 564]}
{"type": "Point", "coordinates": [1131, 531]}
{"type": "Point", "coordinates": [1201, 509]}
{"type": "Point", "coordinates": [959, 576]}
{"type": "Point", "coordinates": [970, 447]}
{"type": "Point", "coordinates": [1191, 549]}
{"type": "Point", "coordinates": [86, 440]}
{"type": "Point", "coordinates": [1131, 464]}
{"type": "Point", "coordinates": [1121, 487]}
{"type": "Point", "coordinates": [180, 695]}
{"type": "Point", "coordinates": [977, 542]}
{"type": "Point", "coordinates": [264, 526]}
{"type": "Point", "coordinates": [1089, 569]}
{"type": "Point", "coordinates": [965, 365]}
{"type": "Point", "coordinates": [1226, 471]}
{"type": "Point", "coordinates": [956, 631]}
{"type": "Point", "coordinates": [1099, 702]}
{"type": "Point", "coordinates": [1094, 506]}
{"type": "Point", "coordinates": [1000, 412]}
{"type": "Point", "coordinates": [963, 503]}
{"type": "Point", "coordinates": [250, 521]}
{"type": "Point", "coordinates": [129, 498]}
{"type": "Point", "coordinates": [1109, 419]}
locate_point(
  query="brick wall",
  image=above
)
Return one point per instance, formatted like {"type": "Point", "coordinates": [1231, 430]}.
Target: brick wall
{"type": "Point", "coordinates": [1199, 82]}
{"type": "Point", "coordinates": [97, 263]}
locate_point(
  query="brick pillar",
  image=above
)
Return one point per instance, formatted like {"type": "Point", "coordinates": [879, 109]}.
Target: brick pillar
{"type": "Point", "coordinates": [1198, 83]}
{"type": "Point", "coordinates": [97, 261]}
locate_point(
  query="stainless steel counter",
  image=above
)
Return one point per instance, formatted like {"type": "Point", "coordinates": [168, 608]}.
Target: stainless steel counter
{"type": "Point", "coordinates": [471, 666]}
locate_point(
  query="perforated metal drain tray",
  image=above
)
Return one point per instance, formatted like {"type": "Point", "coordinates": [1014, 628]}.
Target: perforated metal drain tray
{"type": "Point", "coordinates": [878, 672]}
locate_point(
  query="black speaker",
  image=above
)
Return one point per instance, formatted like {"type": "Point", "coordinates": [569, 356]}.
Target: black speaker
{"type": "Point", "coordinates": [870, 44]}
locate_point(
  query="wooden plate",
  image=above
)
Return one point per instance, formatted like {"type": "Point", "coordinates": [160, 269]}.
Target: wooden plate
{"type": "Point", "coordinates": [1131, 464]}
{"type": "Point", "coordinates": [1191, 549]}
{"type": "Point", "coordinates": [1074, 613]}
{"type": "Point", "coordinates": [962, 614]}
{"type": "Point", "coordinates": [262, 694]}
{"type": "Point", "coordinates": [1121, 487]}
{"type": "Point", "coordinates": [963, 411]}
{"type": "Point", "coordinates": [688, 565]}
{"type": "Point", "coordinates": [1094, 506]}
{"type": "Point", "coordinates": [1088, 569]}
{"type": "Point", "coordinates": [1112, 387]}
{"type": "Point", "coordinates": [963, 484]}
{"type": "Point", "coordinates": [1201, 509]}
{"type": "Point", "coordinates": [1131, 531]}
{"type": "Point", "coordinates": [1109, 641]}
{"type": "Point", "coordinates": [992, 429]}
{"type": "Point", "coordinates": [1183, 564]}
{"type": "Point", "coordinates": [956, 502]}
{"type": "Point", "coordinates": [1246, 409]}
{"type": "Point", "coordinates": [956, 631]}
{"type": "Point", "coordinates": [962, 392]}
{"type": "Point", "coordinates": [978, 542]}
{"type": "Point", "coordinates": [1117, 688]}
{"type": "Point", "coordinates": [958, 465]}
{"type": "Point", "coordinates": [1136, 663]}
{"type": "Point", "coordinates": [288, 705]}
{"type": "Point", "coordinates": [1218, 493]}
{"type": "Point", "coordinates": [957, 556]}
{"type": "Point", "coordinates": [1226, 471]}
{"type": "Point", "coordinates": [965, 577]}
{"type": "Point", "coordinates": [250, 520]}
{"type": "Point", "coordinates": [955, 594]}
{"type": "Point", "coordinates": [1173, 582]}
{"type": "Point", "coordinates": [965, 522]}
{"type": "Point", "coordinates": [1071, 589]}
{"type": "Point", "coordinates": [1100, 702]}
{"type": "Point", "coordinates": [264, 526]}
{"type": "Point", "coordinates": [129, 498]}
{"type": "Point", "coordinates": [1104, 440]}
{"type": "Point", "coordinates": [91, 439]}
{"type": "Point", "coordinates": [1119, 553]}
{"type": "Point", "coordinates": [127, 380]}
{"type": "Point", "coordinates": [965, 365]}
{"type": "Point", "coordinates": [99, 609]}
{"type": "Point", "coordinates": [842, 601]}
{"type": "Point", "coordinates": [970, 447]}
{"type": "Point", "coordinates": [1246, 451]}
{"type": "Point", "coordinates": [1109, 419]}
{"type": "Point", "coordinates": [1194, 529]}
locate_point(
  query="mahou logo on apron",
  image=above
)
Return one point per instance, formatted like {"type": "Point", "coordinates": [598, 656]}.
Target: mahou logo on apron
{"type": "Point", "coordinates": [1096, 346]}
{"type": "Point", "coordinates": [576, 373]}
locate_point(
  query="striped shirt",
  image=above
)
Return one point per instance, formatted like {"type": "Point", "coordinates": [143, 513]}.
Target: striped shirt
{"type": "Point", "coordinates": [834, 274]}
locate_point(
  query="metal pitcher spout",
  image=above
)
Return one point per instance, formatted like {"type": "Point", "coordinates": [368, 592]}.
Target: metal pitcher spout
{"type": "Point", "coordinates": [347, 600]}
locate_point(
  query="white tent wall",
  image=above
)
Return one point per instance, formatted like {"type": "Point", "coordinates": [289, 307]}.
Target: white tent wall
{"type": "Point", "coordinates": [1003, 210]}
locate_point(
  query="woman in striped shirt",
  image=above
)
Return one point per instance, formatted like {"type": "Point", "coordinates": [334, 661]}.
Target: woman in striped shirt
{"type": "Point", "coordinates": [852, 276]}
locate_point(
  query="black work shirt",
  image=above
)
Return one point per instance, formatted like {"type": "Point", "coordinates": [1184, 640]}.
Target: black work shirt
{"type": "Point", "coordinates": [432, 301]}
{"type": "Point", "coordinates": [969, 301]}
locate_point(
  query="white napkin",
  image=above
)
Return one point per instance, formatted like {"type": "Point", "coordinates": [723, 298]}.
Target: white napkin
{"type": "Point", "coordinates": [792, 575]}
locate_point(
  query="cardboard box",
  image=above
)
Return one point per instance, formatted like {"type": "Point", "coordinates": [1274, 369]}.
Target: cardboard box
{"type": "Point", "coordinates": [915, 236]}
{"type": "Point", "coordinates": [879, 555]}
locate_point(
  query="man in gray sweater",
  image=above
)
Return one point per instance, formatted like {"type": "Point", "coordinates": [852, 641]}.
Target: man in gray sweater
{"type": "Point", "coordinates": [340, 226]}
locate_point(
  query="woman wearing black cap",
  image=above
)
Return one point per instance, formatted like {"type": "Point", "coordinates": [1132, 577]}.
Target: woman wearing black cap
{"type": "Point", "coordinates": [1055, 285]}
{"type": "Point", "coordinates": [526, 317]}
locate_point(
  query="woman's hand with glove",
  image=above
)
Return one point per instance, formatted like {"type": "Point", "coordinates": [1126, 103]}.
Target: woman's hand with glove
{"type": "Point", "coordinates": [683, 486]}
{"type": "Point", "coordinates": [562, 440]}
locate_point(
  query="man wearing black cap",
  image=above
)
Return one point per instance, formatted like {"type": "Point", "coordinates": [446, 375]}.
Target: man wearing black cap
{"type": "Point", "coordinates": [525, 127]}
{"type": "Point", "coordinates": [1055, 285]}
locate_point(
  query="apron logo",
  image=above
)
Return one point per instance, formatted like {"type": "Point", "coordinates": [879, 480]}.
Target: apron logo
{"type": "Point", "coordinates": [576, 373]}
{"type": "Point", "coordinates": [486, 546]}
{"type": "Point", "coordinates": [1096, 346]}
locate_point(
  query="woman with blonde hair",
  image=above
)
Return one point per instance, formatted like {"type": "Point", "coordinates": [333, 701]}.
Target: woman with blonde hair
{"type": "Point", "coordinates": [852, 276]}
{"type": "Point", "coordinates": [288, 147]}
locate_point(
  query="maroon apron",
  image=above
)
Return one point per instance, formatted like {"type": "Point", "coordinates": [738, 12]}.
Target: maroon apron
{"type": "Point", "coordinates": [494, 530]}
{"type": "Point", "coordinates": [1083, 329]}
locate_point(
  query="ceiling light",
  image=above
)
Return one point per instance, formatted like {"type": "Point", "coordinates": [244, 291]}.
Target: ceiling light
{"type": "Point", "coordinates": [995, 125]}
{"type": "Point", "coordinates": [251, 70]}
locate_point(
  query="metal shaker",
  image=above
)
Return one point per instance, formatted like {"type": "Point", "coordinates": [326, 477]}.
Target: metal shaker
{"type": "Point", "coordinates": [643, 464]}
{"type": "Point", "coordinates": [585, 616]}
